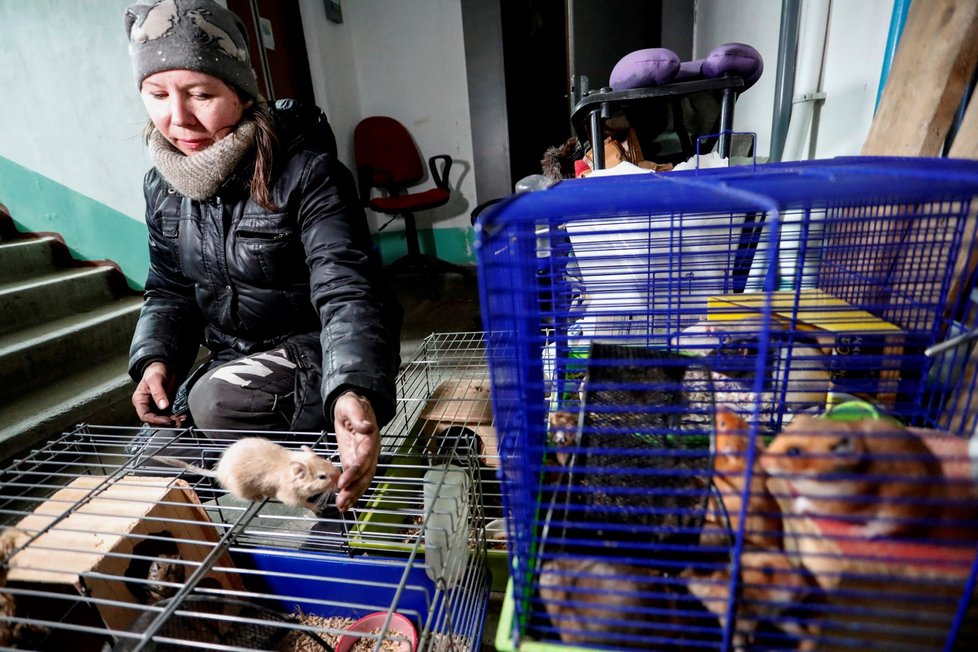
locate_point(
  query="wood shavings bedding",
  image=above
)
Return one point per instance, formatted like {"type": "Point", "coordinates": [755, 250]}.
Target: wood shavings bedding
{"type": "Point", "coordinates": [297, 641]}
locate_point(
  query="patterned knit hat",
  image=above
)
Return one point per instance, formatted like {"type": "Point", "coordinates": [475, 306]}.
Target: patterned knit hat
{"type": "Point", "coordinates": [198, 35]}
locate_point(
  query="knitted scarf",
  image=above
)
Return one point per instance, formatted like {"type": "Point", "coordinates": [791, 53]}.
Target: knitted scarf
{"type": "Point", "coordinates": [199, 176]}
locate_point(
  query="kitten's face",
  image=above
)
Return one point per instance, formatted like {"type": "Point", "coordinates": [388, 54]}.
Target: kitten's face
{"type": "Point", "coordinates": [161, 575]}
{"type": "Point", "coordinates": [166, 571]}
{"type": "Point", "coordinates": [731, 442]}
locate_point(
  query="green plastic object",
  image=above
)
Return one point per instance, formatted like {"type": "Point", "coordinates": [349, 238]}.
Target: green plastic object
{"type": "Point", "coordinates": [853, 411]}
{"type": "Point", "coordinates": [504, 632]}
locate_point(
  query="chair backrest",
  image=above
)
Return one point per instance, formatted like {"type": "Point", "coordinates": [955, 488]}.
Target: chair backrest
{"type": "Point", "coordinates": [383, 146]}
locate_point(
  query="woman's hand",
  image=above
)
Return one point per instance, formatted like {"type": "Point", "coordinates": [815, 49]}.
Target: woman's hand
{"type": "Point", "coordinates": [154, 395]}
{"type": "Point", "coordinates": [358, 439]}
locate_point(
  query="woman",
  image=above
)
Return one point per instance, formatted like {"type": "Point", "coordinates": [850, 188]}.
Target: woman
{"type": "Point", "coordinates": [258, 249]}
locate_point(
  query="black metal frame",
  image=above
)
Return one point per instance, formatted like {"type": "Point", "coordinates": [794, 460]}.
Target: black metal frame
{"type": "Point", "coordinates": [587, 117]}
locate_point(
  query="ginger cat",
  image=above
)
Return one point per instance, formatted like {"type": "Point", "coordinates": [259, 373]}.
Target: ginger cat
{"type": "Point", "coordinates": [872, 472]}
{"type": "Point", "coordinates": [763, 523]}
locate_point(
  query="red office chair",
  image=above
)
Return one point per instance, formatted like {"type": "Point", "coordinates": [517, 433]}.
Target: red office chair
{"type": "Point", "coordinates": [387, 158]}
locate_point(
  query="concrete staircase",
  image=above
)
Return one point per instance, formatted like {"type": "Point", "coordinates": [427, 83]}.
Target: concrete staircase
{"type": "Point", "coordinates": [64, 341]}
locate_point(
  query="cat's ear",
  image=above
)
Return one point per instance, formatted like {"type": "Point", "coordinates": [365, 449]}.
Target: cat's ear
{"type": "Point", "coordinates": [844, 446]}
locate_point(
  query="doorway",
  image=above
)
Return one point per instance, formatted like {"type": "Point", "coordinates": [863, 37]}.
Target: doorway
{"type": "Point", "coordinates": [554, 51]}
{"type": "Point", "coordinates": [534, 36]}
{"type": "Point", "coordinates": [277, 47]}
{"type": "Point", "coordinates": [598, 38]}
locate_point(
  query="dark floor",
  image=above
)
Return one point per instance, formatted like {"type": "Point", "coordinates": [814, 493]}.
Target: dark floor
{"type": "Point", "coordinates": [454, 310]}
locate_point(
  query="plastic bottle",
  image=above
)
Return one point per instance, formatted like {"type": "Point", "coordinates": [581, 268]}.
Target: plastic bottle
{"type": "Point", "coordinates": [446, 527]}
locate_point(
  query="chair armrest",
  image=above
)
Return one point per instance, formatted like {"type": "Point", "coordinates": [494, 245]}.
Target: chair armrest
{"type": "Point", "coordinates": [441, 178]}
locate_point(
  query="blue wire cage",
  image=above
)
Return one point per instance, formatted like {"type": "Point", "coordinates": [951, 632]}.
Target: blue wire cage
{"type": "Point", "coordinates": [734, 406]}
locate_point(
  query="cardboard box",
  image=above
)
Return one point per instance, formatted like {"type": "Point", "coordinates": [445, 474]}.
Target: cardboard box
{"type": "Point", "coordinates": [816, 310]}
{"type": "Point", "coordinates": [89, 530]}
{"type": "Point", "coordinates": [863, 352]}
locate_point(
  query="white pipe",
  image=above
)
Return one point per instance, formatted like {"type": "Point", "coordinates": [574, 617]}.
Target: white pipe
{"type": "Point", "coordinates": [814, 22]}
{"type": "Point", "coordinates": [813, 30]}
{"type": "Point", "coordinates": [808, 78]}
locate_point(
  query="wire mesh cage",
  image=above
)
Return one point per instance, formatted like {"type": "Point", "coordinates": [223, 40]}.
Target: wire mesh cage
{"type": "Point", "coordinates": [734, 407]}
{"type": "Point", "coordinates": [109, 545]}
{"type": "Point", "coordinates": [444, 391]}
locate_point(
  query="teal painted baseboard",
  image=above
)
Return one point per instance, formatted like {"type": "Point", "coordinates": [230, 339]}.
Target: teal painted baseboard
{"type": "Point", "coordinates": [91, 230]}
{"type": "Point", "coordinates": [455, 245]}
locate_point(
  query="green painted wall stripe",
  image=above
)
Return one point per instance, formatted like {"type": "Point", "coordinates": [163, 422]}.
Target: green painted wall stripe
{"type": "Point", "coordinates": [455, 245]}
{"type": "Point", "coordinates": [94, 231]}
{"type": "Point", "coordinates": [91, 230]}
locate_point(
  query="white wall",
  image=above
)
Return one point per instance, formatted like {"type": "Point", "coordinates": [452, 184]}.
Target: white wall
{"type": "Point", "coordinates": [405, 60]}
{"type": "Point", "coordinates": [70, 108]}
{"type": "Point", "coordinates": [334, 71]}
{"type": "Point", "coordinates": [755, 22]}
{"type": "Point", "coordinates": [853, 58]}
{"type": "Point", "coordinates": [71, 112]}
{"type": "Point", "coordinates": [411, 66]}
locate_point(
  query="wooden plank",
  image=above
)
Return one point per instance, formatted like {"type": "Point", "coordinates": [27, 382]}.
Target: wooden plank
{"type": "Point", "coordinates": [461, 401]}
{"type": "Point", "coordinates": [965, 143]}
{"type": "Point", "coordinates": [932, 66]}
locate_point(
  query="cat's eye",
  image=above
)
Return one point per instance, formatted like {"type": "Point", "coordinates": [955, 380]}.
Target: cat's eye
{"type": "Point", "coordinates": [794, 451]}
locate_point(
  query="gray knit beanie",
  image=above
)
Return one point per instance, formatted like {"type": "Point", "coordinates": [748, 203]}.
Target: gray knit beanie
{"type": "Point", "coordinates": [198, 35]}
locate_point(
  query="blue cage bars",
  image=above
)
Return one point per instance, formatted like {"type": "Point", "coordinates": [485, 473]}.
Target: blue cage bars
{"type": "Point", "coordinates": [734, 406]}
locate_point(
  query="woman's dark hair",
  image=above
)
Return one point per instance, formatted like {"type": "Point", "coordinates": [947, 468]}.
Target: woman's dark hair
{"type": "Point", "coordinates": [265, 145]}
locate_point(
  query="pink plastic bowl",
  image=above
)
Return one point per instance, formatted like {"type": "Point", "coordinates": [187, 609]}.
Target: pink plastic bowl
{"type": "Point", "coordinates": [399, 625]}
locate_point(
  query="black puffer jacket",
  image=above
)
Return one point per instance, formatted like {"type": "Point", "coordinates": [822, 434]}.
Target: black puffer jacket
{"type": "Point", "coordinates": [240, 279]}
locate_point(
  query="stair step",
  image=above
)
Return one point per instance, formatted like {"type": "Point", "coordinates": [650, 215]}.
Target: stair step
{"type": "Point", "coordinates": [29, 257]}
{"type": "Point", "coordinates": [41, 355]}
{"type": "Point", "coordinates": [99, 394]}
{"type": "Point", "coordinates": [30, 302]}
